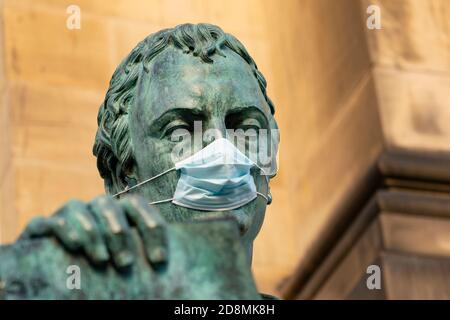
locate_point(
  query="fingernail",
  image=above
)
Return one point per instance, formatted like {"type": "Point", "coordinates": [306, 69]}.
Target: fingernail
{"type": "Point", "coordinates": [73, 236]}
{"type": "Point", "coordinates": [158, 255]}
{"type": "Point", "coordinates": [102, 253]}
{"type": "Point", "coordinates": [124, 258]}
{"type": "Point", "coordinates": [73, 240]}
{"type": "Point", "coordinates": [61, 222]}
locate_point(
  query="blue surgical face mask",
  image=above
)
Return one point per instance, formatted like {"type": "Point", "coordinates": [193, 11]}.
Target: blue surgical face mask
{"type": "Point", "coordinates": [216, 178]}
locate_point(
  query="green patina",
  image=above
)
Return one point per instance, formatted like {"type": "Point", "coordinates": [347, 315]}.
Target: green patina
{"type": "Point", "coordinates": [169, 80]}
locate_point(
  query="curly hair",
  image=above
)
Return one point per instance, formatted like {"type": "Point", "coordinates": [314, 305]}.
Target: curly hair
{"type": "Point", "coordinates": [113, 147]}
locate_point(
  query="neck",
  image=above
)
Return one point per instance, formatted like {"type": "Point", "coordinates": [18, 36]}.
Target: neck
{"type": "Point", "coordinates": [249, 251]}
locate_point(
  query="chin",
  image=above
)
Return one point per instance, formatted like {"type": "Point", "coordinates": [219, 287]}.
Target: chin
{"type": "Point", "coordinates": [247, 217]}
{"type": "Point", "coordinates": [243, 219]}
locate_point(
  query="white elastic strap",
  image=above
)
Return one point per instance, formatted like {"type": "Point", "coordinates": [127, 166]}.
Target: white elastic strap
{"type": "Point", "coordinates": [262, 195]}
{"type": "Point", "coordinates": [143, 182]}
{"type": "Point", "coordinates": [161, 201]}
{"type": "Point", "coordinates": [171, 199]}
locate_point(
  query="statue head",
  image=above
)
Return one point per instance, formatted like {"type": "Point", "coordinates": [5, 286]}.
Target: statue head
{"type": "Point", "coordinates": [176, 79]}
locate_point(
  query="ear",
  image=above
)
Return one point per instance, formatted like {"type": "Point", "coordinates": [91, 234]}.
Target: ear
{"type": "Point", "coordinates": [269, 196]}
{"type": "Point", "coordinates": [124, 176]}
{"type": "Point", "coordinates": [129, 177]}
{"type": "Point", "coordinates": [130, 181]}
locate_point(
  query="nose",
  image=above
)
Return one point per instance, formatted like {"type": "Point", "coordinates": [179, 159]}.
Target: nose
{"type": "Point", "coordinates": [215, 129]}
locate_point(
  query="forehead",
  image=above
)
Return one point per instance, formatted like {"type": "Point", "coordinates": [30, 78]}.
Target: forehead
{"type": "Point", "coordinates": [178, 80]}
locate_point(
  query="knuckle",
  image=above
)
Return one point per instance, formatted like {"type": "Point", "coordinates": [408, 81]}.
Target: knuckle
{"type": "Point", "coordinates": [37, 220]}
{"type": "Point", "coordinates": [35, 225]}
{"type": "Point", "coordinates": [87, 224]}
{"type": "Point", "coordinates": [58, 222]}
{"type": "Point", "coordinates": [71, 207]}
{"type": "Point", "coordinates": [74, 204]}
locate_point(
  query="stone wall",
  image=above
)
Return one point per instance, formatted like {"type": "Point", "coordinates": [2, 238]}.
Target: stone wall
{"type": "Point", "coordinates": [411, 59]}
{"type": "Point", "coordinates": [315, 59]}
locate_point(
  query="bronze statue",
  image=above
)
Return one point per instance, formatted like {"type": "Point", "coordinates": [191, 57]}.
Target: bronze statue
{"type": "Point", "coordinates": [171, 81]}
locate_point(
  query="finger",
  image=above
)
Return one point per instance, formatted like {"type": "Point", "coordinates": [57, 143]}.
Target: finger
{"type": "Point", "coordinates": [37, 227]}
{"type": "Point", "coordinates": [151, 227]}
{"type": "Point", "coordinates": [52, 226]}
{"type": "Point", "coordinates": [94, 244]}
{"type": "Point", "coordinates": [114, 227]}
{"type": "Point", "coordinates": [79, 220]}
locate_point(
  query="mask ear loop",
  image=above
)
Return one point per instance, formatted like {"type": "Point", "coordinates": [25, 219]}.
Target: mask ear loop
{"type": "Point", "coordinates": [161, 201]}
{"type": "Point", "coordinates": [142, 182]}
{"type": "Point", "coordinates": [266, 197]}
{"type": "Point", "coordinates": [263, 196]}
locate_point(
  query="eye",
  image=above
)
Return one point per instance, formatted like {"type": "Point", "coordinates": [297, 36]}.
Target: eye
{"type": "Point", "coordinates": [248, 123]}
{"type": "Point", "coordinates": [177, 127]}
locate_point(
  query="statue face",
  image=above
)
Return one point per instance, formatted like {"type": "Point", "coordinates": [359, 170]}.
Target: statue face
{"type": "Point", "coordinates": [178, 90]}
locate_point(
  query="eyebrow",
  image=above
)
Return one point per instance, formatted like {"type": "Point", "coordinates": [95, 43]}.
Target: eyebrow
{"type": "Point", "coordinates": [252, 108]}
{"type": "Point", "coordinates": [159, 121]}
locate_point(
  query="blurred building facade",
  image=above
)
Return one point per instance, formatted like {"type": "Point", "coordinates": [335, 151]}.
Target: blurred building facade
{"type": "Point", "coordinates": [342, 93]}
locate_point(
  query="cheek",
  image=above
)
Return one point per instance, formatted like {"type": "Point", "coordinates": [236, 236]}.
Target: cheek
{"type": "Point", "coordinates": [255, 223]}
{"type": "Point", "coordinates": [254, 212]}
{"type": "Point", "coordinates": [259, 214]}
{"type": "Point", "coordinates": [153, 156]}
{"type": "Point", "coordinates": [173, 213]}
